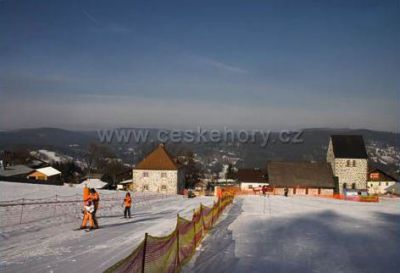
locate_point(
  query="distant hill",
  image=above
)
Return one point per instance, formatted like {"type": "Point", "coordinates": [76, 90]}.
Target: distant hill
{"type": "Point", "coordinates": [383, 147]}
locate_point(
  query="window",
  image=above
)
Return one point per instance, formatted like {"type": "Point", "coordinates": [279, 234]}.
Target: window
{"type": "Point", "coordinates": [347, 163]}
{"type": "Point", "coordinates": [145, 187]}
{"type": "Point", "coordinates": [163, 175]}
{"type": "Point", "coordinates": [387, 183]}
{"type": "Point", "coordinates": [374, 175]}
{"type": "Point", "coordinates": [344, 186]}
{"type": "Point", "coordinates": [380, 183]}
{"type": "Point", "coordinates": [354, 163]}
{"type": "Point", "coordinates": [145, 174]}
{"type": "Point", "coordinates": [250, 186]}
{"type": "Point", "coordinates": [372, 185]}
{"type": "Point", "coordinates": [353, 186]}
{"type": "Point", "coordinates": [163, 187]}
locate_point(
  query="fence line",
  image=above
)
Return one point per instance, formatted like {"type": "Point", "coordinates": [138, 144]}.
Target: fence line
{"type": "Point", "coordinates": [169, 253]}
{"type": "Point", "coordinates": [24, 211]}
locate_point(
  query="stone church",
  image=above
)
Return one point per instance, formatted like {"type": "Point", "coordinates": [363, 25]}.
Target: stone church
{"type": "Point", "coordinates": [159, 172]}
{"type": "Point", "coordinates": [349, 160]}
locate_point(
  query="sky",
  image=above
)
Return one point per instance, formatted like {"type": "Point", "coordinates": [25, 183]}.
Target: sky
{"type": "Point", "coordinates": [182, 64]}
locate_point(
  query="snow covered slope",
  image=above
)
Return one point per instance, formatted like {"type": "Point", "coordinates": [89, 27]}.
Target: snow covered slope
{"type": "Point", "coordinates": [303, 234]}
{"type": "Point", "coordinates": [53, 245]}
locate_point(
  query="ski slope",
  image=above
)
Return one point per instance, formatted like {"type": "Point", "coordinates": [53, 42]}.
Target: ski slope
{"type": "Point", "coordinates": [54, 245]}
{"type": "Point", "coordinates": [302, 234]}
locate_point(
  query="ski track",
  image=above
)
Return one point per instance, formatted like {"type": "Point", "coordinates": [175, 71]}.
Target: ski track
{"type": "Point", "coordinates": [62, 248]}
{"type": "Point", "coordinates": [302, 234]}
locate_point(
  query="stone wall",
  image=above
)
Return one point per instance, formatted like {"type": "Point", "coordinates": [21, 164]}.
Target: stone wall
{"type": "Point", "coordinates": [351, 174]}
{"type": "Point", "coordinates": [157, 181]}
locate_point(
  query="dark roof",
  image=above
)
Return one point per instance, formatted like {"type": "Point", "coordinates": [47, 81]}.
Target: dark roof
{"type": "Point", "coordinates": [300, 174]}
{"type": "Point", "coordinates": [251, 175]}
{"type": "Point", "coordinates": [382, 176]}
{"type": "Point", "coordinates": [15, 170]}
{"type": "Point", "coordinates": [348, 146]}
{"type": "Point", "coordinates": [158, 159]}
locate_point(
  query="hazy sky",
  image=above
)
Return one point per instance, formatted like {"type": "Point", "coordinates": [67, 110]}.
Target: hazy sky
{"type": "Point", "coordinates": [242, 64]}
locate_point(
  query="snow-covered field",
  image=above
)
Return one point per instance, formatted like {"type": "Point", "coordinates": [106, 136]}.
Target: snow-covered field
{"type": "Point", "coordinates": [54, 245]}
{"type": "Point", "coordinates": [303, 234]}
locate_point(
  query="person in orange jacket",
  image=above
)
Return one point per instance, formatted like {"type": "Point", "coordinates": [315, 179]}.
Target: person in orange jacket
{"type": "Point", "coordinates": [128, 204]}
{"type": "Point", "coordinates": [88, 215]}
{"type": "Point", "coordinates": [95, 198]}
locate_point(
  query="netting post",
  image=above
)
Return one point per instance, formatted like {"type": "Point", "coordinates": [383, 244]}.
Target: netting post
{"type": "Point", "coordinates": [177, 241]}
{"type": "Point", "coordinates": [194, 229]}
{"type": "Point", "coordinates": [144, 251]}
{"type": "Point", "coordinates": [22, 210]}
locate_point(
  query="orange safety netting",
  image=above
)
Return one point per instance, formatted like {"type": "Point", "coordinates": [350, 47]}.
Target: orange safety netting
{"type": "Point", "coordinates": [168, 254]}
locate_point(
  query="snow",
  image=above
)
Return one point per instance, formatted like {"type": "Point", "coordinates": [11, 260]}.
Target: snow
{"type": "Point", "coordinates": [54, 245]}
{"type": "Point", "coordinates": [92, 183]}
{"type": "Point", "coordinates": [48, 171]}
{"type": "Point", "coordinates": [302, 234]}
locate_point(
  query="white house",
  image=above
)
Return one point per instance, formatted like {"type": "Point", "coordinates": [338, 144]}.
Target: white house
{"type": "Point", "coordinates": [158, 172]}
{"type": "Point", "coordinates": [379, 182]}
{"type": "Point", "coordinates": [349, 160]}
{"type": "Point", "coordinates": [251, 178]}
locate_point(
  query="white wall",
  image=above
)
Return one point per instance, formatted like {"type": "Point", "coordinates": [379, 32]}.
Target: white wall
{"type": "Point", "coordinates": [154, 181]}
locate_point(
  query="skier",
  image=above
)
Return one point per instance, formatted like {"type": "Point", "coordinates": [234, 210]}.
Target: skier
{"type": "Point", "coordinates": [264, 190]}
{"type": "Point", "coordinates": [127, 203]}
{"type": "Point", "coordinates": [286, 192]}
{"type": "Point", "coordinates": [88, 210]}
{"type": "Point", "coordinates": [95, 198]}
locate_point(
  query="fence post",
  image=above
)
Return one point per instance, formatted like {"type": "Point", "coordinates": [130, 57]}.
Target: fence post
{"type": "Point", "coordinates": [55, 207]}
{"type": "Point", "coordinates": [194, 229]}
{"type": "Point", "coordinates": [177, 241]}
{"type": "Point", "coordinates": [144, 251]}
{"type": "Point", "coordinates": [22, 210]}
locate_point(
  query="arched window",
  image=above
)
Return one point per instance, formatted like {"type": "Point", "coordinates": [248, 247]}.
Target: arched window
{"type": "Point", "coordinates": [353, 186]}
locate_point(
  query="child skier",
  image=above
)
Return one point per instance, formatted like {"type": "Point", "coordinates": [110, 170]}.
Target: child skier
{"type": "Point", "coordinates": [127, 203]}
{"type": "Point", "coordinates": [88, 210]}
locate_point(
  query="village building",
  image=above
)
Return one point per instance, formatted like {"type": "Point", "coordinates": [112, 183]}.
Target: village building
{"type": "Point", "coordinates": [44, 174]}
{"type": "Point", "coordinates": [93, 183]}
{"type": "Point", "coordinates": [251, 178]}
{"type": "Point", "coordinates": [14, 172]}
{"type": "Point", "coordinates": [349, 160]}
{"type": "Point", "coordinates": [301, 178]}
{"type": "Point", "coordinates": [159, 172]}
{"type": "Point", "coordinates": [379, 182]}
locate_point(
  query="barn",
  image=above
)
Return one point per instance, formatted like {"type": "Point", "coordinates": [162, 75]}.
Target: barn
{"type": "Point", "coordinates": [301, 177]}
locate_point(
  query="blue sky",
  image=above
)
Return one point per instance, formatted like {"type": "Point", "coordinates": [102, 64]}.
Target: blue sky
{"type": "Point", "coordinates": [240, 64]}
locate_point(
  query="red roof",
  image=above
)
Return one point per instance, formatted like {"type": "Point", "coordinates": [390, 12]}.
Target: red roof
{"type": "Point", "coordinates": [158, 159]}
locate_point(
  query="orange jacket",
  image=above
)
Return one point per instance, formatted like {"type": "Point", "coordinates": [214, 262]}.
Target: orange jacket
{"type": "Point", "coordinates": [95, 199]}
{"type": "Point", "coordinates": [128, 201]}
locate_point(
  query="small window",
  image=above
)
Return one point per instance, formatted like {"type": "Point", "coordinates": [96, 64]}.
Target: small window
{"type": "Point", "coordinates": [380, 184]}
{"type": "Point", "coordinates": [145, 174]}
{"type": "Point", "coordinates": [250, 186]}
{"type": "Point", "coordinates": [354, 163]}
{"type": "Point", "coordinates": [163, 187]}
{"type": "Point", "coordinates": [374, 175]}
{"type": "Point", "coordinates": [353, 186]}
{"type": "Point", "coordinates": [145, 187]}
{"type": "Point", "coordinates": [372, 185]}
{"type": "Point", "coordinates": [163, 175]}
{"type": "Point", "coordinates": [387, 183]}
{"type": "Point", "coordinates": [348, 163]}
{"type": "Point", "coordinates": [344, 186]}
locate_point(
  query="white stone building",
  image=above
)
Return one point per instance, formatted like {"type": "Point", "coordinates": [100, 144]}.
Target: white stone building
{"type": "Point", "coordinates": [158, 172]}
{"type": "Point", "coordinates": [379, 182]}
{"type": "Point", "coordinates": [349, 160]}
